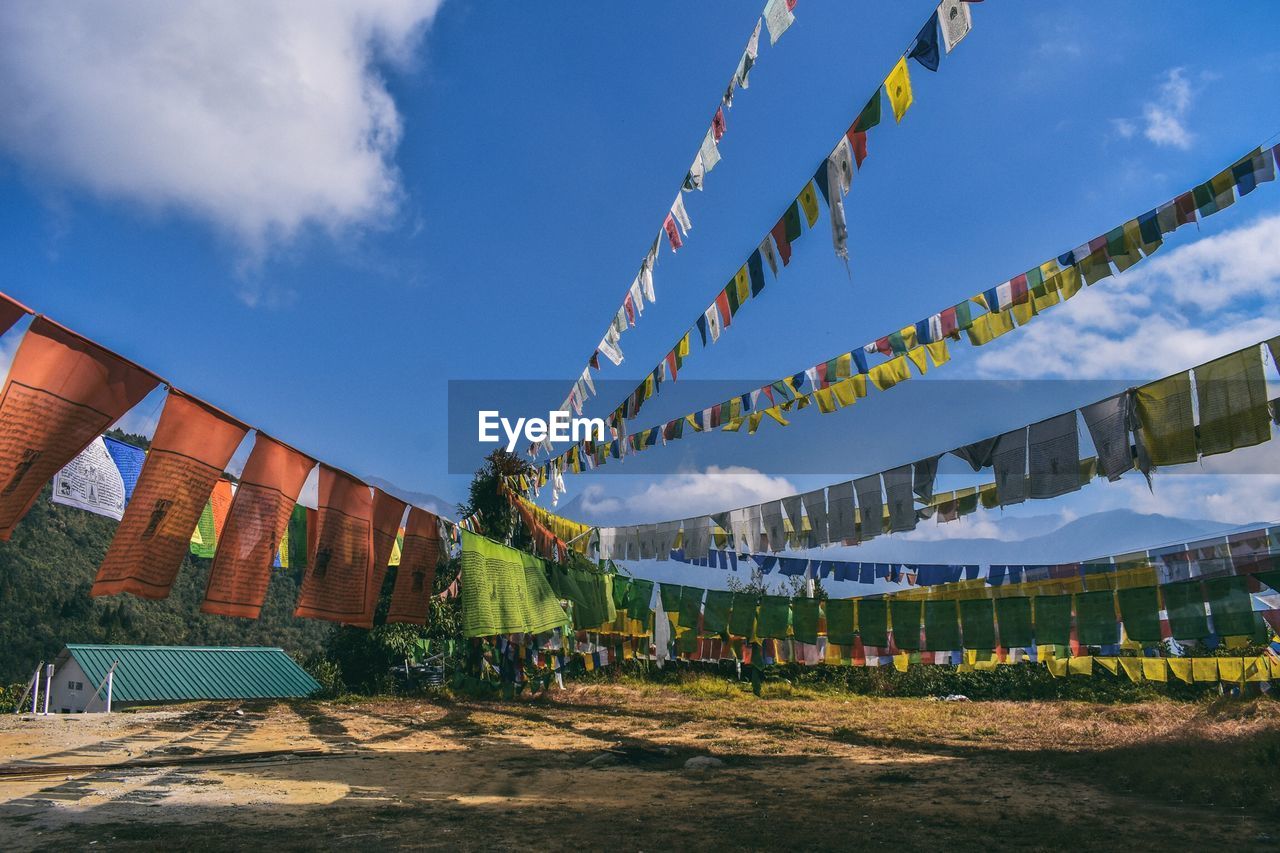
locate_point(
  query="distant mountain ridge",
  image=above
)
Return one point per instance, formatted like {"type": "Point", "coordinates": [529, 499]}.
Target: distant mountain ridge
{"type": "Point", "coordinates": [426, 500]}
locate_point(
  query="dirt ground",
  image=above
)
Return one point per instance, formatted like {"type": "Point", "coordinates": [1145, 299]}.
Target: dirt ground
{"type": "Point", "coordinates": [800, 770]}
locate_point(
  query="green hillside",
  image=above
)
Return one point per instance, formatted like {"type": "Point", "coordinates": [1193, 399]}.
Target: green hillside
{"type": "Point", "coordinates": [46, 571]}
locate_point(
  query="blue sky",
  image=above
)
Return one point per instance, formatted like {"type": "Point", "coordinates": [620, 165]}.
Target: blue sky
{"type": "Point", "coordinates": [317, 220]}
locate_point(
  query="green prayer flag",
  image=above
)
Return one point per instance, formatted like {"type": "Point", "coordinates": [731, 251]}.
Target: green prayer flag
{"type": "Point", "coordinates": [774, 617]}
{"type": "Point", "coordinates": [1014, 616]}
{"type": "Point", "coordinates": [977, 619]}
{"type": "Point", "coordinates": [792, 219]}
{"type": "Point", "coordinates": [639, 599]}
{"type": "Point", "coordinates": [1205, 200]}
{"type": "Point", "coordinates": [1231, 606]}
{"type": "Point", "coordinates": [870, 115]}
{"type": "Point", "coordinates": [964, 316]}
{"type": "Point", "coordinates": [941, 629]}
{"type": "Point", "coordinates": [670, 593]}
{"type": "Point", "coordinates": [1164, 413]}
{"type": "Point", "coordinates": [742, 618]}
{"type": "Point", "coordinates": [298, 538]}
{"type": "Point", "coordinates": [873, 621]}
{"type": "Point", "coordinates": [1096, 623]}
{"type": "Point", "coordinates": [731, 295]}
{"type": "Point", "coordinates": [206, 546]}
{"type": "Point", "coordinates": [1140, 611]}
{"type": "Point", "coordinates": [715, 613]}
{"type": "Point", "coordinates": [905, 617]}
{"type": "Point", "coordinates": [840, 617]}
{"type": "Point", "coordinates": [505, 591]}
{"type": "Point", "coordinates": [1053, 619]}
{"type": "Point", "coordinates": [690, 607]}
{"type": "Point", "coordinates": [621, 592]}
{"type": "Point", "coordinates": [804, 619]}
{"type": "Point", "coordinates": [1184, 602]}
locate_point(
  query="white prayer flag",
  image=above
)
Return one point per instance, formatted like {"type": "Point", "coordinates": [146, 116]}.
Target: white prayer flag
{"type": "Point", "coordinates": [91, 482]}
{"type": "Point", "coordinates": [778, 18]}
{"type": "Point", "coordinates": [956, 21]}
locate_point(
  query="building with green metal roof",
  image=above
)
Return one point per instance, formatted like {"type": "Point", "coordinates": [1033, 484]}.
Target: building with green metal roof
{"type": "Point", "coordinates": [158, 674]}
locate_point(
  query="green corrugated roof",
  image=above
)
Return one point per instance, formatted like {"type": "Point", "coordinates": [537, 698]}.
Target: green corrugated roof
{"type": "Point", "coordinates": [181, 673]}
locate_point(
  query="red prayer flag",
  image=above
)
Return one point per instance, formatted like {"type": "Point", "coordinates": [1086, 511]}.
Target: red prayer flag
{"type": "Point", "coordinates": [62, 392]}
{"type": "Point", "coordinates": [858, 141]}
{"type": "Point", "coordinates": [1185, 208]}
{"type": "Point", "coordinates": [387, 513]}
{"type": "Point", "coordinates": [259, 515]}
{"type": "Point", "coordinates": [411, 597]}
{"type": "Point", "coordinates": [673, 233]}
{"type": "Point", "coordinates": [1018, 289]}
{"type": "Point", "coordinates": [717, 123]}
{"type": "Point", "coordinates": [779, 233]}
{"type": "Point", "coordinates": [341, 555]}
{"type": "Point", "coordinates": [722, 302]}
{"type": "Point", "coordinates": [192, 444]}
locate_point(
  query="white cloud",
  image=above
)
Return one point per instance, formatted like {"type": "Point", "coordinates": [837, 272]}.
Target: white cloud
{"type": "Point", "coordinates": [1174, 311]}
{"type": "Point", "coordinates": [688, 494]}
{"type": "Point", "coordinates": [1165, 117]}
{"type": "Point", "coordinates": [261, 118]}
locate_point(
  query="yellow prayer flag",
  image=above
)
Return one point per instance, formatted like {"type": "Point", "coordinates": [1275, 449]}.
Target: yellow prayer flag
{"type": "Point", "coordinates": [844, 366]}
{"type": "Point", "coordinates": [1133, 668]}
{"type": "Point", "coordinates": [885, 376]}
{"type": "Point", "coordinates": [732, 425]}
{"type": "Point", "coordinates": [742, 281]}
{"type": "Point", "coordinates": [1256, 669]}
{"type": "Point", "coordinates": [1047, 301]}
{"type": "Point", "coordinates": [776, 413]}
{"type": "Point", "coordinates": [1082, 665]}
{"type": "Point", "coordinates": [1204, 669]}
{"type": "Point", "coordinates": [1231, 669]}
{"type": "Point", "coordinates": [1111, 665]}
{"type": "Point", "coordinates": [1223, 185]}
{"type": "Point", "coordinates": [844, 392]}
{"type": "Point", "coordinates": [1155, 669]}
{"type": "Point", "coordinates": [753, 422]}
{"type": "Point", "coordinates": [1057, 666]}
{"type": "Point", "coordinates": [809, 203]}
{"type": "Point", "coordinates": [980, 332]}
{"type": "Point", "coordinates": [689, 419]}
{"type": "Point", "coordinates": [1023, 312]}
{"type": "Point", "coordinates": [1049, 269]}
{"type": "Point", "coordinates": [898, 87]}
{"type": "Point", "coordinates": [683, 349]}
{"type": "Point", "coordinates": [859, 382]}
{"type": "Point", "coordinates": [826, 403]}
{"type": "Point", "coordinates": [1000, 323]}
{"type": "Point", "coordinates": [1181, 668]}
{"type": "Point", "coordinates": [1069, 282]}
{"type": "Point", "coordinates": [900, 661]}
{"type": "Point", "coordinates": [938, 352]}
{"type": "Point", "coordinates": [919, 359]}
{"type": "Point", "coordinates": [908, 334]}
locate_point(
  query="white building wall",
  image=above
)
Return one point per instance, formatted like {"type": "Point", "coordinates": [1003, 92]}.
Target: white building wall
{"type": "Point", "coordinates": [72, 693]}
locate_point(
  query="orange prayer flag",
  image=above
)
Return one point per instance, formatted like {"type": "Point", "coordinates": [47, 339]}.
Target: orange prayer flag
{"type": "Point", "coordinates": [63, 391]}
{"type": "Point", "coordinates": [387, 513]}
{"type": "Point", "coordinates": [192, 444]}
{"type": "Point", "coordinates": [417, 572]}
{"type": "Point", "coordinates": [259, 514]}
{"type": "Point", "coordinates": [336, 584]}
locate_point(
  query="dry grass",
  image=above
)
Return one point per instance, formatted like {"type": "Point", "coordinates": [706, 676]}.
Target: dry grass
{"type": "Point", "coordinates": [804, 768]}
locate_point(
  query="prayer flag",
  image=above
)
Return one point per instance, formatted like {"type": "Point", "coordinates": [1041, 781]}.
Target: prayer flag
{"type": "Point", "coordinates": [898, 87]}
{"type": "Point", "coordinates": [340, 558]}
{"type": "Point", "coordinates": [925, 47]}
{"type": "Point", "coordinates": [62, 392]}
{"type": "Point", "coordinates": [808, 200]}
{"type": "Point", "coordinates": [956, 21]}
{"type": "Point", "coordinates": [91, 482]}
{"type": "Point", "coordinates": [192, 444]}
{"type": "Point", "coordinates": [778, 18]}
{"type": "Point", "coordinates": [258, 521]}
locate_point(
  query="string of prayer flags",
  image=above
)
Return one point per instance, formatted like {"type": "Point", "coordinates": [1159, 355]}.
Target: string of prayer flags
{"type": "Point", "coordinates": [1038, 461]}
{"type": "Point", "coordinates": [192, 444]}
{"type": "Point", "coordinates": [339, 560]}
{"type": "Point", "coordinates": [1008, 305]}
{"type": "Point", "coordinates": [851, 147]}
{"type": "Point", "coordinates": [61, 393]}
{"type": "Point", "coordinates": [675, 224]}
{"type": "Point", "coordinates": [257, 525]}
